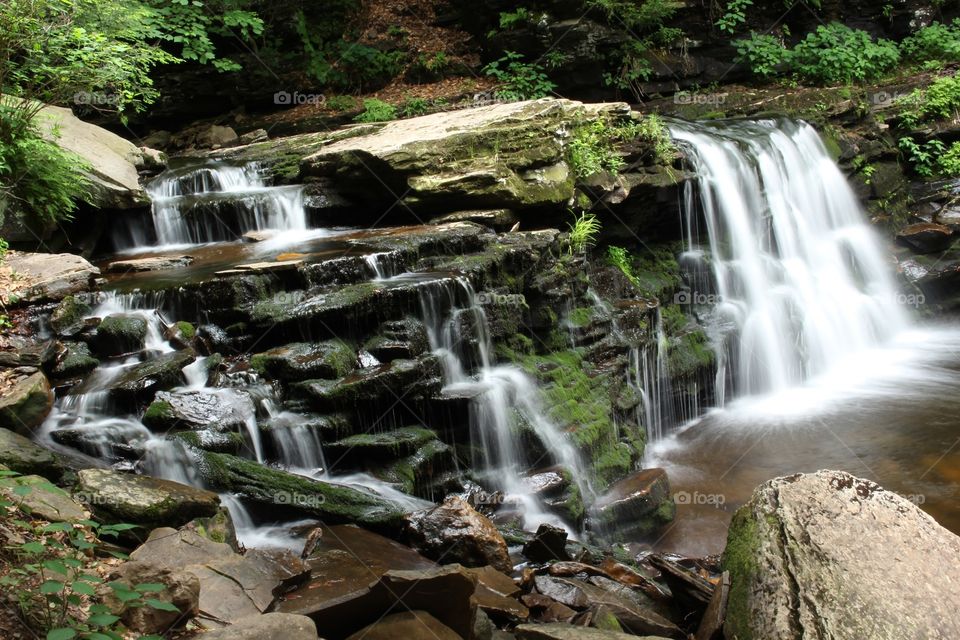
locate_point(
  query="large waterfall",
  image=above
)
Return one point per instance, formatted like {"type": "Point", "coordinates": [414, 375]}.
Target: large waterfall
{"type": "Point", "coordinates": [798, 278]}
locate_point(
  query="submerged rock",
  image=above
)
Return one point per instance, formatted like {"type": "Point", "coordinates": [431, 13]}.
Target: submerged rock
{"type": "Point", "coordinates": [636, 506]}
{"type": "Point", "coordinates": [455, 532]}
{"type": "Point", "coordinates": [76, 361]}
{"type": "Point", "coordinates": [158, 263]}
{"type": "Point", "coordinates": [828, 555]}
{"type": "Point", "coordinates": [26, 401]}
{"type": "Point", "coordinates": [142, 500]}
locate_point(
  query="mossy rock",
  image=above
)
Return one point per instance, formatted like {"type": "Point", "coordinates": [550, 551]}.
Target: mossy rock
{"type": "Point", "coordinates": [426, 473]}
{"type": "Point", "coordinates": [120, 334]}
{"type": "Point", "coordinates": [370, 388]}
{"type": "Point", "coordinates": [20, 454]}
{"type": "Point", "coordinates": [636, 507]}
{"type": "Point", "coordinates": [307, 360]}
{"type": "Point", "coordinates": [369, 448]}
{"type": "Point", "coordinates": [231, 442]}
{"type": "Point", "coordinates": [68, 318]}
{"type": "Point", "coordinates": [139, 383]}
{"type": "Point", "coordinates": [25, 404]}
{"type": "Point", "coordinates": [76, 362]}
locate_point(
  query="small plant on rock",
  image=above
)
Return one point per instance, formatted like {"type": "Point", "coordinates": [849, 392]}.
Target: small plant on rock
{"type": "Point", "coordinates": [583, 232]}
{"type": "Point", "coordinates": [519, 80]}
{"type": "Point", "coordinates": [376, 111]}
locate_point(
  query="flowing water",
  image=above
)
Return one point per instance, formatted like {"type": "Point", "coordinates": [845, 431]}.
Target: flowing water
{"type": "Point", "coordinates": [819, 363]}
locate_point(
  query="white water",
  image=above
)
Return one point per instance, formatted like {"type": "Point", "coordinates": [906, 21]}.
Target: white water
{"type": "Point", "coordinates": [799, 279]}
{"type": "Point", "coordinates": [215, 202]}
{"type": "Point", "coordinates": [502, 394]}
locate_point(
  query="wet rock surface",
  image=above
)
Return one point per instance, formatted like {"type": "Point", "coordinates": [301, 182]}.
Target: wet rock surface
{"type": "Point", "coordinates": [25, 402]}
{"type": "Point", "coordinates": [455, 532]}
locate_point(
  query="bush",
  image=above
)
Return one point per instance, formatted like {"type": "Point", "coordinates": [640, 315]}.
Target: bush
{"type": "Point", "coordinates": [415, 107]}
{"type": "Point", "coordinates": [938, 101]}
{"type": "Point", "coordinates": [592, 150]}
{"type": "Point", "coordinates": [376, 111]}
{"type": "Point", "coordinates": [836, 53]}
{"type": "Point", "coordinates": [341, 103]}
{"type": "Point", "coordinates": [763, 53]}
{"type": "Point", "coordinates": [938, 42]}
{"type": "Point", "coordinates": [519, 80]}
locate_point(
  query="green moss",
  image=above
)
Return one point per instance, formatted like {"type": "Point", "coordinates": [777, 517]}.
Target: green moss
{"type": "Point", "coordinates": [158, 413]}
{"type": "Point", "coordinates": [739, 558]}
{"type": "Point", "coordinates": [186, 329]}
{"type": "Point", "coordinates": [581, 316]}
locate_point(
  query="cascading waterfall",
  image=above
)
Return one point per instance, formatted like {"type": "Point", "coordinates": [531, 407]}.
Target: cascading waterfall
{"type": "Point", "coordinates": [502, 394]}
{"type": "Point", "coordinates": [213, 202]}
{"type": "Point", "coordinates": [799, 280]}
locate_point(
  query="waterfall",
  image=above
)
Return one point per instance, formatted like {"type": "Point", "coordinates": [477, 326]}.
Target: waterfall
{"type": "Point", "coordinates": [502, 394]}
{"type": "Point", "coordinates": [212, 202]}
{"type": "Point", "coordinates": [798, 278]}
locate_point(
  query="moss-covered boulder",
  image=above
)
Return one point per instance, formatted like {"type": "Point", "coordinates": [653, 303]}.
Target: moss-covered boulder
{"type": "Point", "coordinates": [399, 339]}
{"type": "Point", "coordinates": [119, 334]}
{"type": "Point", "coordinates": [140, 382]}
{"type": "Point", "coordinates": [142, 500]}
{"type": "Point", "coordinates": [306, 360]}
{"type": "Point", "coordinates": [25, 401]}
{"type": "Point", "coordinates": [282, 491]}
{"type": "Point", "coordinates": [370, 388]}
{"type": "Point", "coordinates": [76, 361]}
{"type": "Point", "coordinates": [67, 318]}
{"type": "Point", "coordinates": [24, 456]}
{"type": "Point", "coordinates": [428, 472]}
{"type": "Point", "coordinates": [371, 448]}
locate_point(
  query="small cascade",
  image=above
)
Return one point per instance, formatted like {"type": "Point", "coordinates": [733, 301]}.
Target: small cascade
{"type": "Point", "coordinates": [647, 372]}
{"type": "Point", "coordinates": [384, 265]}
{"type": "Point", "coordinates": [296, 443]}
{"type": "Point", "coordinates": [502, 395]}
{"type": "Point", "coordinates": [212, 202]}
{"type": "Point", "coordinates": [778, 242]}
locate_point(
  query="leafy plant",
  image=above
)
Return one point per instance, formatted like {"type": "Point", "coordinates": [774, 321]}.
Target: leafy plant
{"type": "Point", "coordinates": [376, 111]}
{"type": "Point", "coordinates": [592, 149]}
{"type": "Point", "coordinates": [734, 16]}
{"type": "Point", "coordinates": [938, 101]}
{"type": "Point", "coordinates": [935, 43]}
{"type": "Point", "coordinates": [519, 80]}
{"type": "Point", "coordinates": [836, 53]}
{"type": "Point", "coordinates": [621, 259]}
{"type": "Point", "coordinates": [584, 231]}
{"type": "Point", "coordinates": [763, 53]}
{"type": "Point", "coordinates": [4, 247]}
{"type": "Point", "coordinates": [652, 131]}
{"type": "Point", "coordinates": [415, 107]}
{"type": "Point", "coordinates": [341, 103]}
{"type": "Point", "coordinates": [511, 19]}
{"type": "Point", "coordinates": [925, 158]}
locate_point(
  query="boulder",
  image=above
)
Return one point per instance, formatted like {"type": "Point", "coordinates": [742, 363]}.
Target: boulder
{"type": "Point", "coordinates": [306, 360]}
{"type": "Point", "coordinates": [68, 318]}
{"type": "Point", "coordinates": [76, 361]}
{"type": "Point", "coordinates": [445, 592]}
{"type": "Point", "coordinates": [829, 555]}
{"type": "Point", "coordinates": [371, 448]}
{"type": "Point", "coordinates": [25, 401]}
{"type": "Point", "coordinates": [374, 386]}
{"type": "Point", "coordinates": [269, 626]}
{"type": "Point", "coordinates": [20, 351]}
{"type": "Point", "coordinates": [549, 543]}
{"type": "Point", "coordinates": [152, 160]}
{"type": "Point", "coordinates": [636, 506]}
{"type": "Point", "coordinates": [158, 263]}
{"type": "Point", "coordinates": [497, 219]}
{"type": "Point", "coordinates": [140, 382]}
{"type": "Point", "coordinates": [43, 500]}
{"type": "Point", "coordinates": [49, 277]}
{"type": "Point", "coordinates": [121, 334]}
{"type": "Point", "coordinates": [455, 532]}
{"type": "Point", "coordinates": [142, 500]}
{"type": "Point", "coordinates": [399, 340]}
{"type": "Point", "coordinates": [180, 589]}
{"type": "Point", "coordinates": [409, 625]}
{"type": "Point", "coordinates": [218, 410]}
{"type": "Point", "coordinates": [926, 237]}
{"type": "Point", "coordinates": [218, 136]}
{"type": "Point", "coordinates": [22, 455]}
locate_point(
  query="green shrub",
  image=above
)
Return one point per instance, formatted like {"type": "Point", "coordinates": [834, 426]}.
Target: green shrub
{"type": "Point", "coordinates": [376, 111]}
{"type": "Point", "coordinates": [762, 53]}
{"type": "Point", "coordinates": [938, 42]}
{"type": "Point", "coordinates": [949, 161]}
{"type": "Point", "coordinates": [734, 16]}
{"type": "Point", "coordinates": [583, 232]}
{"type": "Point", "coordinates": [511, 19]}
{"type": "Point", "coordinates": [519, 80]}
{"type": "Point", "coordinates": [592, 149]}
{"type": "Point", "coordinates": [341, 103]}
{"type": "Point", "coordinates": [621, 259]}
{"type": "Point", "coordinates": [415, 107]}
{"type": "Point", "coordinates": [836, 53]}
{"type": "Point", "coordinates": [925, 158]}
{"type": "Point", "coordinates": [938, 101]}
{"type": "Point", "coordinates": [652, 131]}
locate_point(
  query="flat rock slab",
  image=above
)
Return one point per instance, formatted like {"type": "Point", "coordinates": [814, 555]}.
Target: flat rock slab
{"type": "Point", "coordinates": [142, 500]}
{"type": "Point", "coordinates": [159, 263]}
{"type": "Point", "coordinates": [558, 631]}
{"type": "Point", "coordinates": [49, 277]}
{"type": "Point", "coordinates": [410, 625]}
{"type": "Point", "coordinates": [269, 626]}
{"type": "Point", "coordinates": [44, 500]}
{"type": "Point", "coordinates": [828, 555]}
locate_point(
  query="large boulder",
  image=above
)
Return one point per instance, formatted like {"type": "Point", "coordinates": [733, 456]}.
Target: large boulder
{"type": "Point", "coordinates": [179, 588]}
{"type": "Point", "coordinates": [142, 500]}
{"type": "Point", "coordinates": [25, 400]}
{"type": "Point", "coordinates": [121, 333]}
{"type": "Point", "coordinates": [829, 555]}
{"type": "Point", "coordinates": [24, 456]}
{"type": "Point", "coordinates": [218, 410]}
{"type": "Point", "coordinates": [140, 382]}
{"type": "Point", "coordinates": [455, 532]}
{"type": "Point", "coordinates": [269, 626]}
{"type": "Point", "coordinates": [45, 277]}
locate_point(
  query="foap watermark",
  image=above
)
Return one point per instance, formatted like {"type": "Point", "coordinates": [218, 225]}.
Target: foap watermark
{"type": "Point", "coordinates": [285, 98]}
{"type": "Point", "coordinates": [696, 298]}
{"type": "Point", "coordinates": [918, 499]}
{"type": "Point", "coordinates": [501, 299]}
{"type": "Point", "coordinates": [96, 99]}
{"type": "Point", "coordinates": [492, 499]}
{"type": "Point", "coordinates": [915, 300]}
{"type": "Point", "coordinates": [298, 499]}
{"type": "Point", "coordinates": [885, 98]}
{"type": "Point", "coordinates": [688, 97]}
{"type": "Point", "coordinates": [716, 500]}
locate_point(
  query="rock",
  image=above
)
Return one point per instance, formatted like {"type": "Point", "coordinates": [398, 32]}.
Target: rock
{"type": "Point", "coordinates": [142, 500]}
{"type": "Point", "coordinates": [455, 532]}
{"type": "Point", "coordinates": [152, 160]}
{"type": "Point", "coordinates": [76, 361]}
{"type": "Point", "coordinates": [926, 237]}
{"type": "Point", "coordinates": [217, 528]}
{"type": "Point", "coordinates": [829, 555]}
{"type": "Point", "coordinates": [494, 596]}
{"type": "Point", "coordinates": [546, 610]}
{"type": "Point", "coordinates": [556, 631]}
{"type": "Point", "coordinates": [373, 387]}
{"type": "Point", "coordinates": [121, 334]}
{"type": "Point", "coordinates": [298, 495]}
{"type": "Point", "coordinates": [633, 615]}
{"type": "Point", "coordinates": [636, 506]}
{"type": "Point", "coordinates": [218, 410]}
{"type": "Point", "coordinates": [172, 549]}
{"type": "Point", "coordinates": [159, 263]}
{"type": "Point", "coordinates": [565, 592]}
{"type": "Point", "coordinates": [400, 339]}
{"type": "Point", "coordinates": [497, 219]}
{"type": "Point", "coordinates": [112, 159]}
{"type": "Point", "coordinates": [257, 135]}
{"type": "Point", "coordinates": [26, 403]}
{"type": "Point", "coordinates": [269, 626]}
{"type": "Point", "coordinates": [22, 455]}
{"type": "Point", "coordinates": [68, 318]}
{"type": "Point", "coordinates": [711, 625]}
{"type": "Point", "coordinates": [412, 625]}
{"type": "Point", "coordinates": [180, 588]}
{"type": "Point", "coordinates": [44, 500]}
{"type": "Point", "coordinates": [445, 592]}
{"type": "Point", "coordinates": [549, 543]}
{"type": "Point", "coordinates": [305, 360]}
{"type": "Point", "coordinates": [20, 351]}
{"type": "Point", "coordinates": [359, 450]}
{"type": "Point", "coordinates": [49, 277]}
{"type": "Point", "coordinates": [690, 590]}
{"type": "Point", "coordinates": [217, 137]}
{"type": "Point", "coordinates": [140, 382]}
{"type": "Point", "coordinates": [432, 159]}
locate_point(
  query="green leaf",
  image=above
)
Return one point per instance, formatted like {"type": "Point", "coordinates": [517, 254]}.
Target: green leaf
{"type": "Point", "coordinates": [51, 586]}
{"type": "Point", "coordinates": [161, 605]}
{"type": "Point", "coordinates": [56, 566]}
{"type": "Point", "coordinates": [102, 619]}
{"type": "Point", "coordinates": [82, 588]}
{"type": "Point", "coordinates": [61, 634]}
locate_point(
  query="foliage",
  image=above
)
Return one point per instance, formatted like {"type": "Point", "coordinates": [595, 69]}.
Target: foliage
{"type": "Point", "coordinates": [950, 161]}
{"type": "Point", "coordinates": [592, 149]}
{"type": "Point", "coordinates": [583, 232]}
{"type": "Point", "coordinates": [341, 103]}
{"type": "Point", "coordinates": [415, 107]}
{"type": "Point", "coordinates": [763, 53]}
{"type": "Point", "coordinates": [937, 42]}
{"type": "Point", "coordinates": [925, 158]}
{"type": "Point", "coordinates": [52, 576]}
{"type": "Point", "coordinates": [836, 53]}
{"type": "Point", "coordinates": [652, 131]}
{"type": "Point", "coordinates": [621, 259]}
{"type": "Point", "coordinates": [519, 80]}
{"type": "Point", "coordinates": [511, 19]}
{"type": "Point", "coordinates": [734, 16]}
{"type": "Point", "coordinates": [4, 247]}
{"type": "Point", "coordinates": [376, 111]}
{"type": "Point", "coordinates": [938, 101]}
